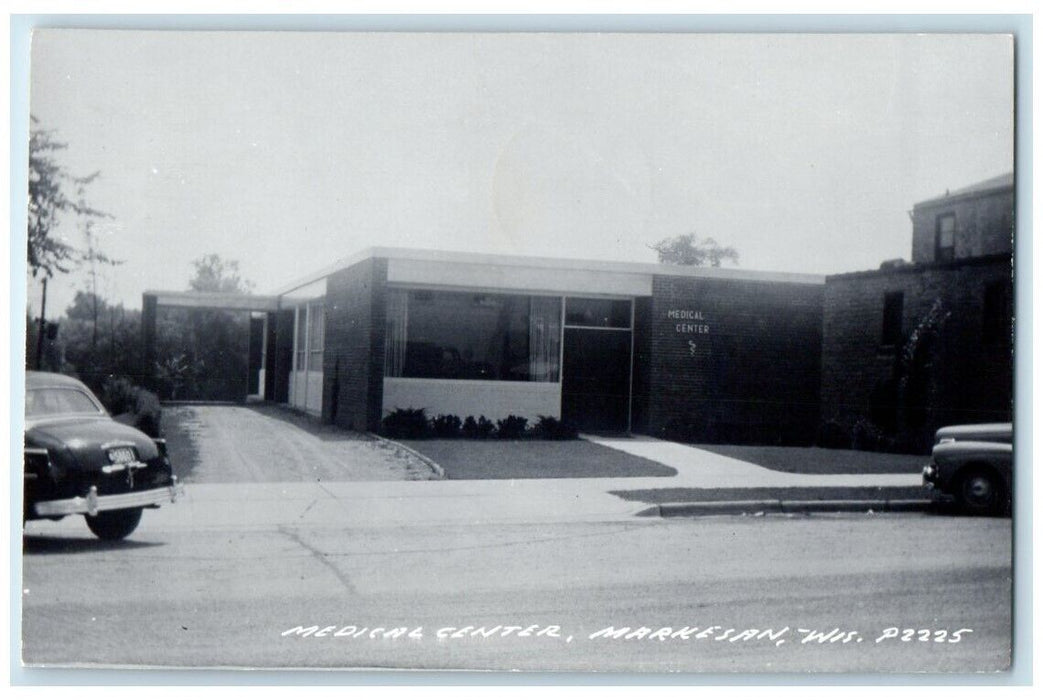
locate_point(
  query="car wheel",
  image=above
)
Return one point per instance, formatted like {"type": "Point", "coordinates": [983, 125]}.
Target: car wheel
{"type": "Point", "coordinates": [981, 492]}
{"type": "Point", "coordinates": [114, 524]}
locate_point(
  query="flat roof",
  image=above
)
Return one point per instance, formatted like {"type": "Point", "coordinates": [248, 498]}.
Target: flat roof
{"type": "Point", "coordinates": [565, 264]}
{"type": "Point", "coordinates": [993, 184]}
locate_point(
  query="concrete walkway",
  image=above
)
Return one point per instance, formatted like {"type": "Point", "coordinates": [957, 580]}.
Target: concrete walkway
{"type": "Point", "coordinates": [702, 469]}
{"type": "Point", "coordinates": [483, 502]}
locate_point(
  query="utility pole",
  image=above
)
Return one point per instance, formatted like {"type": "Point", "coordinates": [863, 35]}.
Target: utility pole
{"type": "Point", "coordinates": [41, 335]}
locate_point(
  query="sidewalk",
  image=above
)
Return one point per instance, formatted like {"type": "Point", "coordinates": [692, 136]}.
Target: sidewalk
{"type": "Point", "coordinates": [703, 469]}
{"type": "Point", "coordinates": [709, 483]}
{"type": "Point", "coordinates": [706, 483]}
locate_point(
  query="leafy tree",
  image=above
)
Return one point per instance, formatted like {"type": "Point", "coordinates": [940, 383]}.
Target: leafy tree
{"type": "Point", "coordinates": [98, 340]}
{"type": "Point", "coordinates": [686, 250]}
{"type": "Point", "coordinates": [54, 191]}
{"type": "Point", "coordinates": [212, 274]}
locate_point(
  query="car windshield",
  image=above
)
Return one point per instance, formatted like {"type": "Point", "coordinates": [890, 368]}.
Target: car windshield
{"type": "Point", "coordinates": [59, 401]}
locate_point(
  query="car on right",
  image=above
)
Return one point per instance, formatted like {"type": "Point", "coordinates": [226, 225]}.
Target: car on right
{"type": "Point", "coordinates": [974, 465]}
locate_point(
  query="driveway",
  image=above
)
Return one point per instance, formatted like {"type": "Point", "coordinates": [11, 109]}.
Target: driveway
{"type": "Point", "coordinates": [267, 444]}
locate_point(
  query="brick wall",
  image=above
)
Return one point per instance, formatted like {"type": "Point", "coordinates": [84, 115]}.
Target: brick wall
{"type": "Point", "coordinates": [353, 358]}
{"type": "Point", "coordinates": [969, 378]}
{"type": "Point", "coordinates": [730, 361]}
{"type": "Point", "coordinates": [984, 225]}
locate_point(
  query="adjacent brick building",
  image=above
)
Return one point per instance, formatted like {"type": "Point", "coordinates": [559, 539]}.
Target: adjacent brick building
{"type": "Point", "coordinates": [914, 346]}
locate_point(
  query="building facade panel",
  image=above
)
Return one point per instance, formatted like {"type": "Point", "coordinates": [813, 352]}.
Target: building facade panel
{"type": "Point", "coordinates": [733, 361]}
{"type": "Point", "coordinates": [531, 278]}
{"type": "Point", "coordinates": [354, 345]}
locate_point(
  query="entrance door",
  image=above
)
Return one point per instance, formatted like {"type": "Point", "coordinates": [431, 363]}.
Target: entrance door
{"type": "Point", "coordinates": [595, 392]}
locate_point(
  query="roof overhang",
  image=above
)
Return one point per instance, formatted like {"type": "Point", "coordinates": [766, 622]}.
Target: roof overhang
{"type": "Point", "coordinates": [417, 259]}
{"type": "Point", "coordinates": [215, 300]}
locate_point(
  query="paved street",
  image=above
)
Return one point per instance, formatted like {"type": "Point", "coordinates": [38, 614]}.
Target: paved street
{"type": "Point", "coordinates": [212, 593]}
{"type": "Point", "coordinates": [524, 573]}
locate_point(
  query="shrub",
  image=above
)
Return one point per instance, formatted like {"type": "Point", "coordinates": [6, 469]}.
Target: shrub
{"type": "Point", "coordinates": [485, 427]}
{"type": "Point", "coordinates": [865, 435]}
{"type": "Point", "coordinates": [406, 423]}
{"type": "Point", "coordinates": [511, 428]}
{"type": "Point", "coordinates": [446, 426]}
{"type": "Point", "coordinates": [148, 412]}
{"type": "Point", "coordinates": [478, 430]}
{"type": "Point", "coordinates": [132, 405]}
{"type": "Point", "coordinates": [550, 428]}
{"type": "Point", "coordinates": [117, 393]}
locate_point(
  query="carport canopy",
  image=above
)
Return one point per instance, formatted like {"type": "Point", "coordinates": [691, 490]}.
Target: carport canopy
{"type": "Point", "coordinates": [212, 300]}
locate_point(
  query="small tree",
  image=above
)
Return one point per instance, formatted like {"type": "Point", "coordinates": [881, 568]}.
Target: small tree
{"type": "Point", "coordinates": [686, 250]}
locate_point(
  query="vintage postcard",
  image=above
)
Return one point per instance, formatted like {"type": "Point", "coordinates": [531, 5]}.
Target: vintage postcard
{"type": "Point", "coordinates": [520, 351]}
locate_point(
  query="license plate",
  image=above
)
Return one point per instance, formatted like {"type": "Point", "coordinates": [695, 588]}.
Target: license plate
{"type": "Point", "coordinates": [122, 455]}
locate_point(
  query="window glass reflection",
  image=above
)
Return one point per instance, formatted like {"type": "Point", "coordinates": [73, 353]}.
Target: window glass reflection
{"type": "Point", "coordinates": [463, 335]}
{"type": "Point", "coordinates": [602, 313]}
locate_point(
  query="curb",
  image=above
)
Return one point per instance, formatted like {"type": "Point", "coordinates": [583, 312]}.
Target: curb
{"type": "Point", "coordinates": [682, 510]}
{"type": "Point", "coordinates": [432, 465]}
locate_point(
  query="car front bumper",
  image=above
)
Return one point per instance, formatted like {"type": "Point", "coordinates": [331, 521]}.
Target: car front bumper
{"type": "Point", "coordinates": [92, 503]}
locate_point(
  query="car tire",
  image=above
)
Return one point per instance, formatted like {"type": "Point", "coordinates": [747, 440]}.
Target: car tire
{"type": "Point", "coordinates": [114, 524]}
{"type": "Point", "coordinates": [981, 492]}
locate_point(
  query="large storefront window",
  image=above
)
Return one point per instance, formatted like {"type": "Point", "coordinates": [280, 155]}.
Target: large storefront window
{"type": "Point", "coordinates": [466, 335]}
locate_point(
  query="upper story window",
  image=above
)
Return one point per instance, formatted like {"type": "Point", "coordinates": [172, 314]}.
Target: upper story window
{"type": "Point", "coordinates": [945, 238]}
{"type": "Point", "coordinates": [891, 335]}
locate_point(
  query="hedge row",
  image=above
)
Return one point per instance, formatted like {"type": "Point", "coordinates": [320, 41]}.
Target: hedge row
{"type": "Point", "coordinates": [414, 424]}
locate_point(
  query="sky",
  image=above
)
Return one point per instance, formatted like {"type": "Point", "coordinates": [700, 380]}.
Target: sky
{"type": "Point", "coordinates": [287, 151]}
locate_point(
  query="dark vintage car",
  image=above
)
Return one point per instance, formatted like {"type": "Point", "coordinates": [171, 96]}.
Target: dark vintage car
{"type": "Point", "coordinates": [78, 460]}
{"type": "Point", "coordinates": [973, 464]}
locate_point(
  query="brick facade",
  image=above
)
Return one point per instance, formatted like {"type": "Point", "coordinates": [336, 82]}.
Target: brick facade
{"type": "Point", "coordinates": [964, 376]}
{"type": "Point", "coordinates": [729, 361]}
{"type": "Point", "coordinates": [353, 362]}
